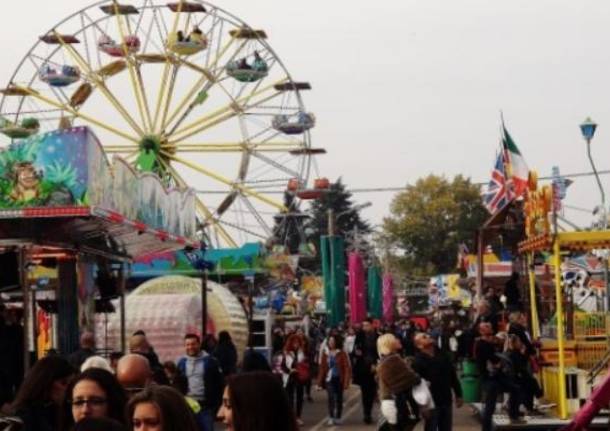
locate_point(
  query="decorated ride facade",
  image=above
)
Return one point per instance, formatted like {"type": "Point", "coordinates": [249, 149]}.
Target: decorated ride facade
{"type": "Point", "coordinates": [65, 208]}
{"type": "Point", "coordinates": [574, 340]}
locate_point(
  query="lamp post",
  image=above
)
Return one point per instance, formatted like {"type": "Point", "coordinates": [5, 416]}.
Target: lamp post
{"type": "Point", "coordinates": [197, 259]}
{"type": "Point", "coordinates": [588, 128]}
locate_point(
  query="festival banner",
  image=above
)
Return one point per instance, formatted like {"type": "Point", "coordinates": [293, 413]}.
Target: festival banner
{"type": "Point", "coordinates": [357, 298]}
{"type": "Point", "coordinates": [388, 298]}
{"type": "Point", "coordinates": [374, 303]}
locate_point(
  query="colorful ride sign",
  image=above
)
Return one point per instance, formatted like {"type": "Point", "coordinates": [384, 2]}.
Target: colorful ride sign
{"type": "Point", "coordinates": [538, 206]}
{"type": "Point", "coordinates": [68, 169]}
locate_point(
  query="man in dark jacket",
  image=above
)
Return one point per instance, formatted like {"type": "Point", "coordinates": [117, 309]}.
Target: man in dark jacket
{"type": "Point", "coordinates": [512, 293]}
{"type": "Point", "coordinates": [365, 360]}
{"type": "Point", "coordinates": [204, 376]}
{"type": "Point", "coordinates": [86, 350]}
{"type": "Point", "coordinates": [436, 367]}
{"type": "Point", "coordinates": [493, 377]}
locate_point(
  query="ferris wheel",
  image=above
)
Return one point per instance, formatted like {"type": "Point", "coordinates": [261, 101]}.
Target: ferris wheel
{"type": "Point", "coordinates": [182, 89]}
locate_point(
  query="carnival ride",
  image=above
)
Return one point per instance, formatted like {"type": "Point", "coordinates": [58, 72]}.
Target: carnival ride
{"type": "Point", "coordinates": [186, 94]}
{"type": "Point", "coordinates": [570, 378]}
{"type": "Point", "coordinates": [184, 90]}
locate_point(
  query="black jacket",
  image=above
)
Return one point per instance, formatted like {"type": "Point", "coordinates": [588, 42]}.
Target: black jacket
{"type": "Point", "coordinates": [365, 356]}
{"type": "Point", "coordinates": [486, 352]}
{"type": "Point", "coordinates": [520, 331]}
{"type": "Point", "coordinates": [39, 417]}
{"type": "Point", "coordinates": [227, 358]}
{"type": "Point", "coordinates": [440, 372]}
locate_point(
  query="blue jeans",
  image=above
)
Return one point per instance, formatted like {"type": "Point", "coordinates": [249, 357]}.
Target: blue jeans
{"type": "Point", "coordinates": [493, 387]}
{"type": "Point", "coordinates": [441, 419]}
{"type": "Point", "coordinates": [335, 397]}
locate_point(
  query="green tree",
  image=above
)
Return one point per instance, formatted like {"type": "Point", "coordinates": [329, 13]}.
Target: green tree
{"type": "Point", "coordinates": [431, 218]}
{"type": "Point", "coordinates": [340, 201]}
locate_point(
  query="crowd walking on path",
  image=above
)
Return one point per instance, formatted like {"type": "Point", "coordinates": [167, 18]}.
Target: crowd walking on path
{"type": "Point", "coordinates": [409, 367]}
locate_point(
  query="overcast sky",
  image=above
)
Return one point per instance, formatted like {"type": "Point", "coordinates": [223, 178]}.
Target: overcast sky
{"type": "Point", "coordinates": [405, 88]}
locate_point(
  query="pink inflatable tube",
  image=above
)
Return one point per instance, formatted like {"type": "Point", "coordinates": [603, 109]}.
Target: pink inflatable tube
{"type": "Point", "coordinates": [598, 400]}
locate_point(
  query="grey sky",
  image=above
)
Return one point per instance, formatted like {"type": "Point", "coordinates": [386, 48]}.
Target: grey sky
{"type": "Point", "coordinates": [407, 88]}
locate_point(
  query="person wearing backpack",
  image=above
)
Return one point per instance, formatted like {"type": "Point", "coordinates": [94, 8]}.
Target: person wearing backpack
{"type": "Point", "coordinates": [204, 378]}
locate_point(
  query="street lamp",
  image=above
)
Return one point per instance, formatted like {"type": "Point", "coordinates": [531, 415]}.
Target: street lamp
{"type": "Point", "coordinates": [197, 260]}
{"type": "Point", "coordinates": [587, 129]}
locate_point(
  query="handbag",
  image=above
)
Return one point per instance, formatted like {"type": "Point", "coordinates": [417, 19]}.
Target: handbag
{"type": "Point", "coordinates": [302, 369]}
{"type": "Point", "coordinates": [422, 395]}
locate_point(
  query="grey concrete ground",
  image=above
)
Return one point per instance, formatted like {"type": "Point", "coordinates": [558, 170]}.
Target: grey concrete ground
{"type": "Point", "coordinates": [315, 415]}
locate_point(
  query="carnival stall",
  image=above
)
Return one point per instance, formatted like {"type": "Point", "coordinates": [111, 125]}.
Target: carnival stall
{"type": "Point", "coordinates": [63, 206]}
{"type": "Point", "coordinates": [569, 377]}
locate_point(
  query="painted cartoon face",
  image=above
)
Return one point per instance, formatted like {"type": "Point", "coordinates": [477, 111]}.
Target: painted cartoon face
{"type": "Point", "coordinates": [27, 176]}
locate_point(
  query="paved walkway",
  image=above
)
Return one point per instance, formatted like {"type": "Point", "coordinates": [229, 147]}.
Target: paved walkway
{"type": "Point", "coordinates": [315, 415]}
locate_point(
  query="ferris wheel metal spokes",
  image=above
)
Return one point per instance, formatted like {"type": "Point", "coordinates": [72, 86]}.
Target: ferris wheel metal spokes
{"type": "Point", "coordinates": [182, 89]}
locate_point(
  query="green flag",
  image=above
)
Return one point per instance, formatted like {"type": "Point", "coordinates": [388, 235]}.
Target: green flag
{"type": "Point", "coordinates": [332, 251]}
{"type": "Point", "coordinates": [374, 293]}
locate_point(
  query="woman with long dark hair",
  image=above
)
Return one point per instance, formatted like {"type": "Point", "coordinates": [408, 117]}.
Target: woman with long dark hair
{"type": "Point", "coordinates": [160, 408]}
{"type": "Point", "coordinates": [335, 375]}
{"type": "Point", "coordinates": [295, 372]}
{"type": "Point", "coordinates": [41, 396]}
{"type": "Point", "coordinates": [95, 393]}
{"type": "Point", "coordinates": [226, 354]}
{"type": "Point", "coordinates": [256, 401]}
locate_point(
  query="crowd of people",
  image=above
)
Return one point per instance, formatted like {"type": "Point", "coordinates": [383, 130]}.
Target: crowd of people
{"type": "Point", "coordinates": [135, 391]}
{"type": "Point", "coordinates": [409, 367]}
{"type": "Point", "coordinates": [386, 361]}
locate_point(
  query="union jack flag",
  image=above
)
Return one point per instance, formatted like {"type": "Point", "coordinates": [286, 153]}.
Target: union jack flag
{"type": "Point", "coordinates": [498, 193]}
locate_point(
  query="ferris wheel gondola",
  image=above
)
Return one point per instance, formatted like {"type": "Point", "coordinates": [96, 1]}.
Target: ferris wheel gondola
{"type": "Point", "coordinates": [130, 45]}
{"type": "Point", "coordinates": [59, 76]}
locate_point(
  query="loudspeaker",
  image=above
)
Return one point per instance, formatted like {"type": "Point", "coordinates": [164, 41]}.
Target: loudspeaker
{"type": "Point", "coordinates": [107, 283]}
{"type": "Point", "coordinates": [9, 269]}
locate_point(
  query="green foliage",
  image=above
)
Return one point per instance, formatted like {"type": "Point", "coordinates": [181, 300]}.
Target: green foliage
{"type": "Point", "coordinates": [61, 175]}
{"type": "Point", "coordinates": [25, 151]}
{"type": "Point", "coordinates": [431, 218]}
{"type": "Point", "coordinates": [83, 200]}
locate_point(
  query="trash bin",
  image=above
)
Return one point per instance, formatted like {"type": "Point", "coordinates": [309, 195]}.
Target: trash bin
{"type": "Point", "coordinates": [469, 368]}
{"type": "Point", "coordinates": [471, 385]}
{"type": "Point", "coordinates": [471, 389]}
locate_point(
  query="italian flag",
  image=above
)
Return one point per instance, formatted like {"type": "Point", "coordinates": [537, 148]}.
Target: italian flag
{"type": "Point", "coordinates": [516, 168]}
